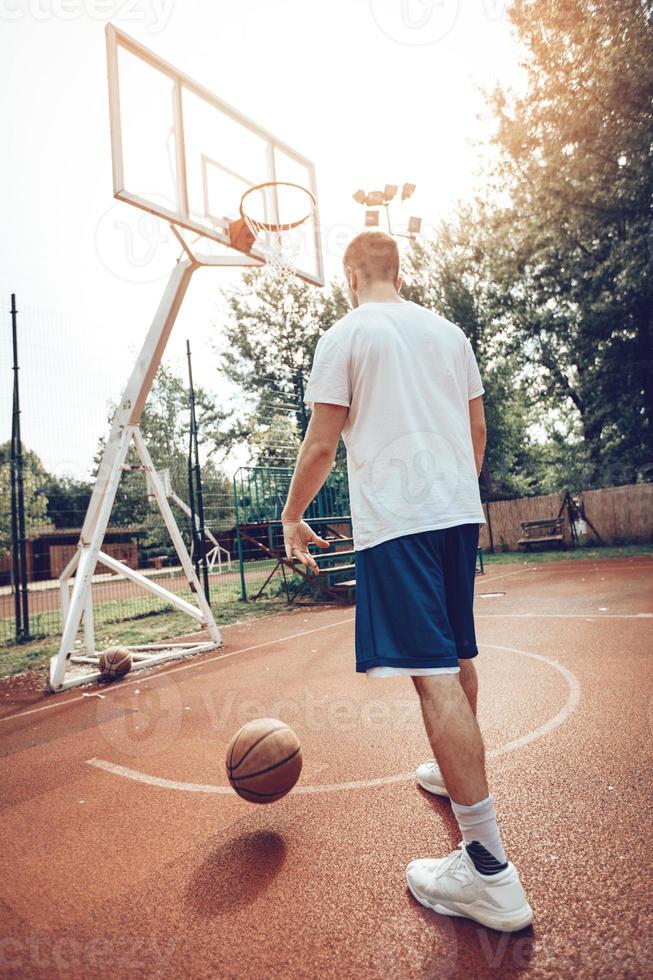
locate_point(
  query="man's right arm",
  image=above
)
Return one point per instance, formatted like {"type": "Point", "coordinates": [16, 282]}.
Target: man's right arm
{"type": "Point", "coordinates": [479, 432]}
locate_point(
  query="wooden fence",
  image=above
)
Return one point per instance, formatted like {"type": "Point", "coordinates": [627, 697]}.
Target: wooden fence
{"type": "Point", "coordinates": [621, 515]}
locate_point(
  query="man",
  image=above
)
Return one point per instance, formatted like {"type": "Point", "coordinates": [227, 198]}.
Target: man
{"type": "Point", "coordinates": [402, 386]}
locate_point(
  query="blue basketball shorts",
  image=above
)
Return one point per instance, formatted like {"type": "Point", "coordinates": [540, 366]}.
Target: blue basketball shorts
{"type": "Point", "coordinates": [414, 600]}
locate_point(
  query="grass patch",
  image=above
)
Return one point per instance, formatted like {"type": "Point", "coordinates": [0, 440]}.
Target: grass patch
{"type": "Point", "coordinates": [153, 626]}
{"type": "Point", "coordinates": [570, 554]}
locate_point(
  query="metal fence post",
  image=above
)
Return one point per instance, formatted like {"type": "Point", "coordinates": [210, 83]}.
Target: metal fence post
{"type": "Point", "coordinates": [19, 539]}
{"type": "Point", "coordinates": [195, 492]}
{"type": "Point", "coordinates": [239, 540]}
{"type": "Point", "coordinates": [303, 418]}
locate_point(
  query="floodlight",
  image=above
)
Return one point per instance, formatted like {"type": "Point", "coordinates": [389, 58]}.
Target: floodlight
{"type": "Point", "coordinates": [359, 197]}
{"type": "Point", "coordinates": [389, 192]}
{"type": "Point", "coordinates": [371, 219]}
{"type": "Point", "coordinates": [414, 226]}
{"type": "Point", "coordinates": [375, 199]}
{"type": "Point", "coordinates": [407, 191]}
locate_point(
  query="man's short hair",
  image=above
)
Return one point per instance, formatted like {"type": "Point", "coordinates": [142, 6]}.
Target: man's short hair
{"type": "Point", "coordinates": [375, 256]}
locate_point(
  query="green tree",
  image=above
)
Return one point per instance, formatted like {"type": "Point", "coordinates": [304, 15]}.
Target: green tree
{"type": "Point", "coordinates": [165, 426]}
{"type": "Point", "coordinates": [277, 444]}
{"type": "Point", "coordinates": [36, 502]}
{"type": "Point", "coordinates": [67, 499]}
{"type": "Point", "coordinates": [271, 328]}
{"type": "Point", "coordinates": [450, 275]}
{"type": "Point", "coordinates": [572, 251]}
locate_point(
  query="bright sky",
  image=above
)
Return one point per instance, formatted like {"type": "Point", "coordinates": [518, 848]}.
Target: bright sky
{"type": "Point", "coordinates": [375, 91]}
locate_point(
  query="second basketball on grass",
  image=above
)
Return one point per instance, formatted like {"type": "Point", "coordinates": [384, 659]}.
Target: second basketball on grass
{"type": "Point", "coordinates": [264, 760]}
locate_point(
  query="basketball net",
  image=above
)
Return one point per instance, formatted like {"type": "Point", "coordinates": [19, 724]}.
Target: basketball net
{"type": "Point", "coordinates": [278, 238]}
{"type": "Point", "coordinates": [281, 255]}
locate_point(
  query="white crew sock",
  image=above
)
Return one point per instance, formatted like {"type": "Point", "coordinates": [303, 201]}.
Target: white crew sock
{"type": "Point", "coordinates": [479, 823]}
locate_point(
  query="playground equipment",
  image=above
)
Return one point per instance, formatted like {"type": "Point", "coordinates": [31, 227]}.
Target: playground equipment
{"type": "Point", "coordinates": [259, 495]}
{"type": "Point", "coordinates": [214, 555]}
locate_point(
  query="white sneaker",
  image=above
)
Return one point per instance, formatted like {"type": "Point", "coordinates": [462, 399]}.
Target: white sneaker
{"type": "Point", "coordinates": [453, 886]}
{"type": "Point", "coordinates": [430, 778]}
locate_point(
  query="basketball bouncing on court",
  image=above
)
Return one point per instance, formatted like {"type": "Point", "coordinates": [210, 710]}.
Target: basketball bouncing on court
{"type": "Point", "coordinates": [264, 760]}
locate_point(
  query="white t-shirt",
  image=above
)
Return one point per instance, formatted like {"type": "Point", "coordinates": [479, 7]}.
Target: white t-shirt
{"type": "Point", "coordinates": [407, 376]}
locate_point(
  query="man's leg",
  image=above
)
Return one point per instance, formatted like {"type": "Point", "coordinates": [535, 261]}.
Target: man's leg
{"type": "Point", "coordinates": [458, 747]}
{"type": "Point", "coordinates": [477, 880]}
{"type": "Point", "coordinates": [469, 681]}
{"type": "Point", "coordinates": [429, 775]}
{"type": "Point", "coordinates": [455, 737]}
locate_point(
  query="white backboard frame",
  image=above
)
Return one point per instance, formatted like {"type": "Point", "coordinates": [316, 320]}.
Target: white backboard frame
{"type": "Point", "coordinates": [215, 228]}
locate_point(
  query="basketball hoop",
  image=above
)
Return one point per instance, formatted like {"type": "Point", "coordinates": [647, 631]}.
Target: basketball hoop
{"type": "Point", "coordinates": [260, 209]}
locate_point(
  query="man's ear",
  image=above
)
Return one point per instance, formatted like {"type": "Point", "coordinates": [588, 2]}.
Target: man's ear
{"type": "Point", "coordinates": [352, 278]}
{"type": "Point", "coordinates": [399, 284]}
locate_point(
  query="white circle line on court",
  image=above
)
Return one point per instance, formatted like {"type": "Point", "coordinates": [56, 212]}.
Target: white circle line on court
{"type": "Point", "coordinates": [573, 699]}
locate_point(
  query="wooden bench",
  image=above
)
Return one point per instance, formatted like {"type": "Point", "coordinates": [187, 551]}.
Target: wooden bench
{"type": "Point", "coordinates": [545, 532]}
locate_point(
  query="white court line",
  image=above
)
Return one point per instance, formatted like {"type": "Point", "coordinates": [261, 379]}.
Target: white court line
{"type": "Point", "coordinates": [573, 699]}
{"type": "Point", "coordinates": [518, 571]}
{"type": "Point", "coordinates": [591, 565]}
{"type": "Point", "coordinates": [575, 564]}
{"type": "Point", "coordinates": [509, 615]}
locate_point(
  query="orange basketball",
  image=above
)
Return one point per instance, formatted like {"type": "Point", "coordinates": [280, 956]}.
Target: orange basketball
{"type": "Point", "coordinates": [264, 760]}
{"type": "Point", "coordinates": [115, 662]}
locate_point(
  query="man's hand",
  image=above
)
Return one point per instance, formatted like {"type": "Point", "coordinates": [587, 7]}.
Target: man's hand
{"type": "Point", "coordinates": [297, 536]}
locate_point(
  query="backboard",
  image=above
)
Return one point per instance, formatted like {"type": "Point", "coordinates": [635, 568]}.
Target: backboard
{"type": "Point", "coordinates": [185, 155]}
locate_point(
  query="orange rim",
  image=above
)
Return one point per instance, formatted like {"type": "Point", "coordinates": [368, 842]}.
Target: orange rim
{"type": "Point", "coordinates": [269, 225]}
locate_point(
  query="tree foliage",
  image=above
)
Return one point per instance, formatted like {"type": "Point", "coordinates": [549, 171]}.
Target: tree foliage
{"type": "Point", "coordinates": [271, 328]}
{"type": "Point", "coordinates": [165, 426]}
{"type": "Point", "coordinates": [572, 252]}
{"type": "Point", "coordinates": [36, 502]}
{"type": "Point", "coordinates": [449, 275]}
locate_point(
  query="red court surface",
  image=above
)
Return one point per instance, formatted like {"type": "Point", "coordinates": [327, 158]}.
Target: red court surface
{"type": "Point", "coordinates": [126, 854]}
